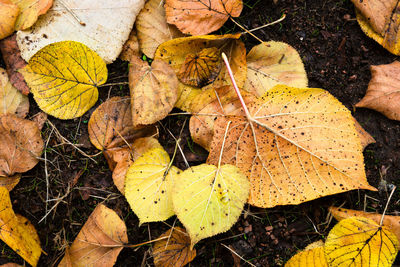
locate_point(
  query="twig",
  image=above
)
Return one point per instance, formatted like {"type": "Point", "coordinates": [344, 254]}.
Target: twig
{"type": "Point", "coordinates": [243, 259]}
{"type": "Point", "coordinates": [387, 204]}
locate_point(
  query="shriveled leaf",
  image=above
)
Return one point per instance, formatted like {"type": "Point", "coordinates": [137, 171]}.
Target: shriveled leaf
{"type": "Point", "coordinates": [301, 144]}
{"type": "Point", "coordinates": [63, 78]}
{"type": "Point", "coordinates": [11, 100]}
{"type": "Point", "coordinates": [102, 25]}
{"type": "Point", "coordinates": [391, 222]}
{"type": "Point", "coordinates": [365, 137]}
{"type": "Point", "coordinates": [111, 125]}
{"type": "Point", "coordinates": [30, 10]}
{"type": "Point", "coordinates": [17, 232]}
{"type": "Point", "coordinates": [152, 27]}
{"type": "Point", "coordinates": [10, 182]}
{"type": "Point", "coordinates": [313, 255]}
{"type": "Point", "coordinates": [360, 241]}
{"type": "Point", "coordinates": [100, 240]}
{"type": "Point", "coordinates": [131, 47]}
{"type": "Point", "coordinates": [148, 186]}
{"type": "Point", "coordinates": [175, 52]}
{"type": "Point", "coordinates": [174, 251]}
{"type": "Point", "coordinates": [272, 63]}
{"type": "Point", "coordinates": [201, 17]}
{"type": "Point", "coordinates": [153, 89]}
{"type": "Point", "coordinates": [380, 20]}
{"type": "Point", "coordinates": [13, 60]}
{"type": "Point", "coordinates": [20, 145]}
{"type": "Point", "coordinates": [383, 93]}
{"type": "Point", "coordinates": [8, 16]}
{"type": "Point", "coordinates": [208, 200]}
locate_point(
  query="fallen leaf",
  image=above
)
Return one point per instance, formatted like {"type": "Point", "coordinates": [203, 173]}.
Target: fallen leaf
{"type": "Point", "coordinates": [360, 241]}
{"type": "Point", "coordinates": [100, 240]}
{"type": "Point", "coordinates": [148, 186]}
{"type": "Point", "coordinates": [142, 145]}
{"type": "Point", "coordinates": [288, 148]}
{"type": "Point", "coordinates": [174, 251]}
{"type": "Point", "coordinates": [17, 232]}
{"type": "Point", "coordinates": [187, 95]}
{"type": "Point", "coordinates": [391, 222]}
{"type": "Point", "coordinates": [153, 91]}
{"type": "Point", "coordinates": [380, 20]}
{"type": "Point", "coordinates": [8, 16]}
{"type": "Point", "coordinates": [39, 118]}
{"type": "Point", "coordinates": [131, 47]}
{"type": "Point", "coordinates": [103, 26]}
{"type": "Point", "coordinates": [201, 17]}
{"type": "Point", "coordinates": [11, 100]}
{"type": "Point", "coordinates": [110, 125]}
{"type": "Point", "coordinates": [30, 10]}
{"type": "Point", "coordinates": [20, 145]}
{"type": "Point", "coordinates": [10, 182]}
{"type": "Point", "coordinates": [63, 78]}
{"type": "Point", "coordinates": [312, 255]}
{"type": "Point", "coordinates": [10, 264]}
{"type": "Point", "coordinates": [383, 93]}
{"type": "Point", "coordinates": [152, 27]}
{"type": "Point", "coordinates": [272, 63]}
{"type": "Point", "coordinates": [208, 199]}
{"type": "Point", "coordinates": [13, 60]}
{"type": "Point", "coordinates": [364, 136]}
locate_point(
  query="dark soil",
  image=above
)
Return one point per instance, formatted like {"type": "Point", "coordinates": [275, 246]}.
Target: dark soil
{"type": "Point", "coordinates": [337, 56]}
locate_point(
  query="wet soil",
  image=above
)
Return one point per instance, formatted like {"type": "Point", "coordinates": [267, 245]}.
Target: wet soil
{"type": "Point", "coordinates": [337, 57]}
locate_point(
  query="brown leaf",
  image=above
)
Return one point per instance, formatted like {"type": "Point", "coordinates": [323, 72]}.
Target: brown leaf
{"type": "Point", "coordinates": [131, 47]}
{"type": "Point", "coordinates": [8, 16]}
{"type": "Point", "coordinates": [10, 182]}
{"type": "Point", "coordinates": [14, 62]}
{"type": "Point", "coordinates": [40, 118]}
{"type": "Point", "coordinates": [201, 17]}
{"type": "Point", "coordinates": [365, 137]}
{"type": "Point", "coordinates": [100, 240]}
{"type": "Point", "coordinates": [20, 145]}
{"type": "Point", "coordinates": [383, 93]}
{"type": "Point", "coordinates": [174, 251]}
{"type": "Point", "coordinates": [10, 264]}
{"type": "Point", "coordinates": [154, 91]}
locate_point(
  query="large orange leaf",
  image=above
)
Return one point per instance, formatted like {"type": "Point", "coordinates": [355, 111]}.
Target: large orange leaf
{"type": "Point", "coordinates": [8, 16]}
{"type": "Point", "coordinates": [30, 11]}
{"type": "Point", "coordinates": [296, 144]}
{"type": "Point", "coordinates": [201, 16]}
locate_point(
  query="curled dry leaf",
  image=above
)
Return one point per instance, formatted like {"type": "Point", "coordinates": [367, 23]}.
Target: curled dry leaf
{"type": "Point", "coordinates": [30, 10]}
{"type": "Point", "coordinates": [17, 232]}
{"type": "Point", "coordinates": [152, 27]}
{"type": "Point", "coordinates": [383, 93]}
{"type": "Point", "coordinates": [208, 199]}
{"type": "Point", "coordinates": [312, 255]}
{"type": "Point", "coordinates": [174, 251]}
{"type": "Point", "coordinates": [148, 186]}
{"type": "Point", "coordinates": [8, 16]}
{"type": "Point", "coordinates": [13, 60]}
{"type": "Point", "coordinates": [380, 20]}
{"type": "Point", "coordinates": [63, 78]}
{"type": "Point", "coordinates": [20, 145]}
{"type": "Point", "coordinates": [272, 63]}
{"type": "Point", "coordinates": [102, 25]}
{"type": "Point", "coordinates": [153, 90]}
{"type": "Point", "coordinates": [288, 148]}
{"type": "Point", "coordinates": [11, 100]}
{"type": "Point", "coordinates": [131, 47]}
{"type": "Point", "coordinates": [360, 241]}
{"type": "Point", "coordinates": [391, 222]}
{"type": "Point", "coordinates": [201, 17]}
{"type": "Point", "coordinates": [100, 240]}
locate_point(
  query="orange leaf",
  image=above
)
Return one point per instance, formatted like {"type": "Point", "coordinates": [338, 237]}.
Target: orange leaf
{"type": "Point", "coordinates": [365, 137]}
{"type": "Point", "coordinates": [30, 11]}
{"type": "Point", "coordinates": [174, 251]}
{"type": "Point", "coordinates": [8, 16]}
{"type": "Point", "coordinates": [383, 93]}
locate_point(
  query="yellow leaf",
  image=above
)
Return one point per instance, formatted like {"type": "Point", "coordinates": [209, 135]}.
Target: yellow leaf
{"type": "Point", "coordinates": [148, 186]}
{"type": "Point", "coordinates": [153, 91]}
{"type": "Point", "coordinates": [272, 63]}
{"type": "Point", "coordinates": [380, 20]}
{"type": "Point", "coordinates": [208, 200]}
{"type": "Point", "coordinates": [312, 256]}
{"type": "Point", "coordinates": [391, 222]}
{"type": "Point", "coordinates": [17, 232]}
{"type": "Point", "coordinates": [63, 78]}
{"type": "Point", "coordinates": [99, 242]}
{"type": "Point", "coordinates": [12, 101]}
{"type": "Point", "coordinates": [174, 251]}
{"type": "Point", "coordinates": [152, 27]}
{"type": "Point", "coordinates": [8, 16]}
{"type": "Point", "coordinates": [299, 144]}
{"type": "Point", "coordinates": [364, 136]}
{"type": "Point", "coordinates": [360, 241]}
{"type": "Point", "coordinates": [30, 11]}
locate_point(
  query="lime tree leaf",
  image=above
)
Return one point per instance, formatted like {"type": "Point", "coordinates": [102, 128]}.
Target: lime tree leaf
{"type": "Point", "coordinates": [359, 241]}
{"type": "Point", "coordinates": [30, 10]}
{"type": "Point", "coordinates": [313, 255]}
{"type": "Point", "coordinates": [8, 16]}
{"type": "Point", "coordinates": [11, 100]}
{"type": "Point", "coordinates": [63, 78]}
{"type": "Point", "coordinates": [148, 186]}
{"type": "Point", "coordinates": [208, 200]}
